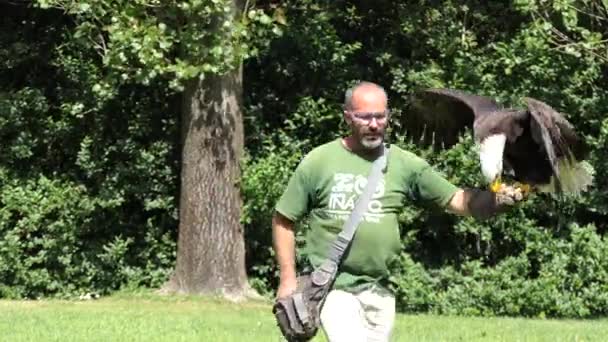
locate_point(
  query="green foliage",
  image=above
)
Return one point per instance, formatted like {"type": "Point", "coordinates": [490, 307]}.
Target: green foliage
{"type": "Point", "coordinates": [544, 258]}
{"type": "Point", "coordinates": [87, 182]}
{"type": "Point", "coordinates": [89, 121]}
{"type": "Point", "coordinates": [551, 277]}
{"type": "Point", "coordinates": [264, 179]}
{"type": "Point", "coordinates": [39, 250]}
{"type": "Point", "coordinates": [52, 243]}
{"type": "Point", "coordinates": [262, 185]}
{"type": "Point", "coordinates": [144, 40]}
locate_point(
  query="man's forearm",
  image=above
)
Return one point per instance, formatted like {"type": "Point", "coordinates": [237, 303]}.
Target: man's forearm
{"type": "Point", "coordinates": [476, 202]}
{"type": "Point", "coordinates": [283, 237]}
{"type": "Point", "coordinates": [459, 203]}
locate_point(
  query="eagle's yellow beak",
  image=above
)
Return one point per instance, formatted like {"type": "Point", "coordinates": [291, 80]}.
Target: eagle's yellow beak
{"type": "Point", "coordinates": [496, 184]}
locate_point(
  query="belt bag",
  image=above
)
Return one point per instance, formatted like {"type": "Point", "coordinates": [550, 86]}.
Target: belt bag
{"type": "Point", "coordinates": [299, 315]}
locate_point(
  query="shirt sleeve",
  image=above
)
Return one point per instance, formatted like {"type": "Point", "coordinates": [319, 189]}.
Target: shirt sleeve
{"type": "Point", "coordinates": [294, 203]}
{"type": "Point", "coordinates": [430, 186]}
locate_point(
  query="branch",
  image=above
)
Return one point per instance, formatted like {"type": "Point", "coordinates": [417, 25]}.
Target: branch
{"type": "Point", "coordinates": [587, 13]}
{"type": "Point", "coordinates": [15, 2]}
{"type": "Point", "coordinates": [563, 41]}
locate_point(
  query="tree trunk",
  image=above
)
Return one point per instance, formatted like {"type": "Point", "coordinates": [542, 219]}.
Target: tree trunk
{"type": "Point", "coordinates": [211, 251]}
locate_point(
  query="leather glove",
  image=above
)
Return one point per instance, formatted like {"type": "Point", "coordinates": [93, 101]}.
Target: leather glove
{"type": "Point", "coordinates": [484, 204]}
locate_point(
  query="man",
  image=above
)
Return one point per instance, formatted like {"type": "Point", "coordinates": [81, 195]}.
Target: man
{"type": "Point", "coordinates": [327, 183]}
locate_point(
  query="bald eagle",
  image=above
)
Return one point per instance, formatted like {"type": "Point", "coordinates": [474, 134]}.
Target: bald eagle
{"type": "Point", "coordinates": [536, 146]}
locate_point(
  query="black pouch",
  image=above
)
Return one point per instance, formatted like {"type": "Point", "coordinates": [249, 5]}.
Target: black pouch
{"type": "Point", "coordinates": [299, 315]}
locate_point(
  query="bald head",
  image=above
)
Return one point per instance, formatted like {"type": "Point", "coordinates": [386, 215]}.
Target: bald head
{"type": "Point", "coordinates": [366, 112]}
{"type": "Point", "coordinates": [364, 93]}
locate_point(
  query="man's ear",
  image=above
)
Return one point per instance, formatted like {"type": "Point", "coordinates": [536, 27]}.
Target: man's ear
{"type": "Point", "coordinates": [347, 118]}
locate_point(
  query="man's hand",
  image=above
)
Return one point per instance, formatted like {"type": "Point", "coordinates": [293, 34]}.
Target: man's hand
{"type": "Point", "coordinates": [483, 204]}
{"type": "Point", "coordinates": [287, 287]}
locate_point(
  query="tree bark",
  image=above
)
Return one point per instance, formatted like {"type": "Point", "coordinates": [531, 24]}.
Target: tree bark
{"type": "Point", "coordinates": [211, 251]}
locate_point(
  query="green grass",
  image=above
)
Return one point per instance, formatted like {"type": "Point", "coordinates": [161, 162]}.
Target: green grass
{"type": "Point", "coordinates": [148, 317]}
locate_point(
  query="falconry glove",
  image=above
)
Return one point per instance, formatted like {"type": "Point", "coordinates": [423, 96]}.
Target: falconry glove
{"type": "Point", "coordinates": [484, 204]}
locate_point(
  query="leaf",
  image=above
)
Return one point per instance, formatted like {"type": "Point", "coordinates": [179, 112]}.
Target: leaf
{"type": "Point", "coordinates": [264, 19]}
{"type": "Point", "coordinates": [279, 16]}
{"type": "Point", "coordinates": [84, 7]}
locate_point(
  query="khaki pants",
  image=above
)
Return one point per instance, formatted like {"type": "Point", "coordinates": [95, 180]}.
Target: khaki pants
{"type": "Point", "coordinates": [365, 316]}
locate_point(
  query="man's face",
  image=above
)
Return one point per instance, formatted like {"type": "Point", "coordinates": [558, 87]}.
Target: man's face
{"type": "Point", "coordinates": [368, 117]}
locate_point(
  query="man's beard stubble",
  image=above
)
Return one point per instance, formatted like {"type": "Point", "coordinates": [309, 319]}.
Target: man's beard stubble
{"type": "Point", "coordinates": [371, 142]}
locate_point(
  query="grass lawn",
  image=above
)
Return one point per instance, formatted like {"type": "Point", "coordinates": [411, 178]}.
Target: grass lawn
{"type": "Point", "coordinates": [148, 317]}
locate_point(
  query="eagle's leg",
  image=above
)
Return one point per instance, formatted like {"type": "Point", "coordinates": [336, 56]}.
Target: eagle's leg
{"type": "Point", "coordinates": [496, 184]}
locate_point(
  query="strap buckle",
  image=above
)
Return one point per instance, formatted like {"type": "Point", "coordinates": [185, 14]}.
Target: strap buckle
{"type": "Point", "coordinates": [324, 273]}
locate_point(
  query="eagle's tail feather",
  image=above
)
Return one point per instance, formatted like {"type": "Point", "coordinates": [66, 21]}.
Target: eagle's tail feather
{"type": "Point", "coordinates": [575, 177]}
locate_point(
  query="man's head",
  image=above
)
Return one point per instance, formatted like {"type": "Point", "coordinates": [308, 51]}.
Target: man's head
{"type": "Point", "coordinates": [366, 113]}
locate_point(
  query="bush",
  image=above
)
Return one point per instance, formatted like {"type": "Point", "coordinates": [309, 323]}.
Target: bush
{"type": "Point", "coordinates": [52, 245]}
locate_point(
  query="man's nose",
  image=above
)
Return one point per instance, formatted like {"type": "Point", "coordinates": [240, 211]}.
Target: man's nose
{"type": "Point", "coordinates": [373, 124]}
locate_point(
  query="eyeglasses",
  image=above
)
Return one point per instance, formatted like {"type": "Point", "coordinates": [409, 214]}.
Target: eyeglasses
{"type": "Point", "coordinates": [367, 117]}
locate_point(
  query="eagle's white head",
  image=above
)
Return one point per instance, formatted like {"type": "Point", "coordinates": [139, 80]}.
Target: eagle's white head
{"type": "Point", "coordinates": [490, 156]}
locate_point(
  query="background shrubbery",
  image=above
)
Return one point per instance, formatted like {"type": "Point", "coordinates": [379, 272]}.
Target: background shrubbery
{"type": "Point", "coordinates": [89, 175]}
{"type": "Point", "coordinates": [546, 258]}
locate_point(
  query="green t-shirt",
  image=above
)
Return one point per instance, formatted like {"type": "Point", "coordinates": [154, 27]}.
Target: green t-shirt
{"type": "Point", "coordinates": [326, 185]}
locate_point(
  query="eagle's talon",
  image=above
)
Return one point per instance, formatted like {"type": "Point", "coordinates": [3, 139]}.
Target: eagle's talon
{"type": "Point", "coordinates": [496, 185]}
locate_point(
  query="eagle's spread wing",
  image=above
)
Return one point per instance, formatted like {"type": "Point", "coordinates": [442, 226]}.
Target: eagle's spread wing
{"type": "Point", "coordinates": [438, 116]}
{"type": "Point", "coordinates": [552, 131]}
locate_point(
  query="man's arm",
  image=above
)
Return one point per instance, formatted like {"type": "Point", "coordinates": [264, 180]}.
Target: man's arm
{"type": "Point", "coordinates": [458, 203]}
{"type": "Point", "coordinates": [283, 238]}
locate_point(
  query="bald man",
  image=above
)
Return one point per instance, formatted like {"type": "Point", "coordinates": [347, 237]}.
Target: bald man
{"type": "Point", "coordinates": [325, 186]}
